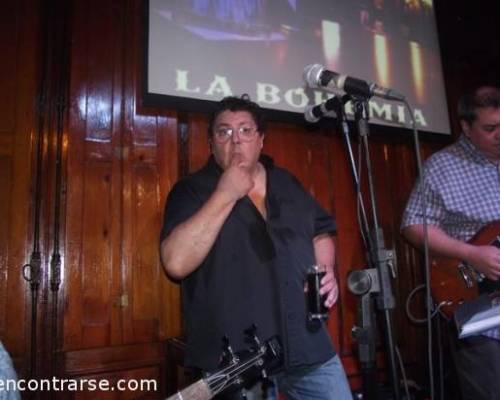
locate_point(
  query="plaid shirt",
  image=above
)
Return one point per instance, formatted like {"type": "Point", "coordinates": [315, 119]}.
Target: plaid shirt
{"type": "Point", "coordinates": [462, 191]}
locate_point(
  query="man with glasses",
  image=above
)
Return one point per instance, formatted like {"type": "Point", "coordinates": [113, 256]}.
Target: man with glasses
{"type": "Point", "coordinates": [240, 235]}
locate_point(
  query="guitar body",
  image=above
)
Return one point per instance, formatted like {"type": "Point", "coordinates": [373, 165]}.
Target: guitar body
{"type": "Point", "coordinates": [448, 284]}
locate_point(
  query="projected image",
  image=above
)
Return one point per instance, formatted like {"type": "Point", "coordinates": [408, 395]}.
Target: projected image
{"type": "Point", "coordinates": [208, 49]}
{"type": "Point", "coordinates": [225, 20]}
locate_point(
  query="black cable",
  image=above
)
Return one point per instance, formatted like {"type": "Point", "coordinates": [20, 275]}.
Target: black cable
{"type": "Point", "coordinates": [428, 295]}
{"type": "Point", "coordinates": [403, 372]}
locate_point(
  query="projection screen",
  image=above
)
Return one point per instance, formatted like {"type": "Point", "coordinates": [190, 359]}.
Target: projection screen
{"type": "Point", "coordinates": [203, 50]}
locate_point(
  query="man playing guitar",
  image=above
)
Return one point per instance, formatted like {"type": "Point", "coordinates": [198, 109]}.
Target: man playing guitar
{"type": "Point", "coordinates": [461, 188]}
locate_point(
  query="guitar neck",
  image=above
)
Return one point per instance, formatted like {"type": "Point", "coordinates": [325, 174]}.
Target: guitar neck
{"type": "Point", "coordinates": [247, 364]}
{"type": "Point", "coordinates": [197, 391]}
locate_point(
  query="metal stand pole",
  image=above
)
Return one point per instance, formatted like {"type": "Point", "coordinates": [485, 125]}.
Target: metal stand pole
{"type": "Point", "coordinates": [373, 282]}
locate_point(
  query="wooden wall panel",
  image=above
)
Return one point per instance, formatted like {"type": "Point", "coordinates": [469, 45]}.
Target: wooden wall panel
{"type": "Point", "coordinates": [5, 182]}
{"type": "Point", "coordinates": [146, 379]}
{"type": "Point", "coordinates": [19, 30]}
{"type": "Point", "coordinates": [198, 147]}
{"type": "Point", "coordinates": [9, 78]}
{"type": "Point", "coordinates": [145, 270]}
{"type": "Point", "coordinates": [95, 152]}
{"type": "Point", "coordinates": [95, 269]}
{"type": "Point", "coordinates": [149, 175]}
{"type": "Point", "coordinates": [132, 362]}
{"type": "Point", "coordinates": [168, 173]}
{"type": "Point", "coordinates": [349, 252]}
{"type": "Point", "coordinates": [122, 161]}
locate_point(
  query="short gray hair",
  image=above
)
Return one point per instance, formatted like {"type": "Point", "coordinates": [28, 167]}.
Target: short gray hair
{"type": "Point", "coordinates": [481, 97]}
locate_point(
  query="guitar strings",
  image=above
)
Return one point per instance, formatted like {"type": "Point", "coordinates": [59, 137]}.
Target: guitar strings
{"type": "Point", "coordinates": [218, 381]}
{"type": "Point", "coordinates": [231, 377]}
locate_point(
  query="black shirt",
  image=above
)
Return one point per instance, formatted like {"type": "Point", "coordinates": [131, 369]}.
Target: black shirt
{"type": "Point", "coordinates": [255, 271]}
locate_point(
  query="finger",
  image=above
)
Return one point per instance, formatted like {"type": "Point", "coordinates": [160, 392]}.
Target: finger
{"type": "Point", "coordinates": [328, 301]}
{"type": "Point", "coordinates": [335, 297]}
{"type": "Point", "coordinates": [327, 283]}
{"type": "Point", "coordinates": [334, 293]}
{"type": "Point", "coordinates": [326, 288]}
{"type": "Point", "coordinates": [327, 279]}
{"type": "Point", "coordinates": [332, 298]}
{"type": "Point", "coordinates": [492, 276]}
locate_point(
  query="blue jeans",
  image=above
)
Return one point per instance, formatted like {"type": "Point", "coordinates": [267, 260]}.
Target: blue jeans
{"type": "Point", "coordinates": [8, 376]}
{"type": "Point", "coordinates": [325, 381]}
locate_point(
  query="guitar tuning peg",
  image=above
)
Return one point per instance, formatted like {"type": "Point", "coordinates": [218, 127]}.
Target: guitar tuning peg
{"type": "Point", "coordinates": [228, 355]}
{"type": "Point", "coordinates": [251, 330]}
{"type": "Point", "coordinates": [251, 334]}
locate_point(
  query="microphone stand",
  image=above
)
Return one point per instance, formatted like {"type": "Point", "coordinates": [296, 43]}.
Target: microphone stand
{"type": "Point", "coordinates": [374, 282]}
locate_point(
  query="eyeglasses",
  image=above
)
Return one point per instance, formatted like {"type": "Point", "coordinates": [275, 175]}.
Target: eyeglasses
{"type": "Point", "coordinates": [245, 133]}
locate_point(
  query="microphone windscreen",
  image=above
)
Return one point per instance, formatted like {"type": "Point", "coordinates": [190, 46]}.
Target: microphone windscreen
{"type": "Point", "coordinates": [312, 74]}
{"type": "Point", "coordinates": [310, 114]}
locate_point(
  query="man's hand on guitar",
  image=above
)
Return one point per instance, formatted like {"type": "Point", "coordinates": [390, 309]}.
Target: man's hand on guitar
{"type": "Point", "coordinates": [485, 259]}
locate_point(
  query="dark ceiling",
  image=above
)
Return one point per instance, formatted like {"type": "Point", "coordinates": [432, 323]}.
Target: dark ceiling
{"type": "Point", "coordinates": [469, 35]}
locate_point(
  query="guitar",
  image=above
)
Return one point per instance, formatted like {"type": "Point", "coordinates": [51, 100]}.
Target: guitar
{"type": "Point", "coordinates": [241, 367]}
{"type": "Point", "coordinates": [454, 281]}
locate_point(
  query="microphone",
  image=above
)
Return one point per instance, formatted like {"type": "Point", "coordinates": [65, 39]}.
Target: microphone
{"type": "Point", "coordinates": [317, 77]}
{"type": "Point", "coordinates": [313, 114]}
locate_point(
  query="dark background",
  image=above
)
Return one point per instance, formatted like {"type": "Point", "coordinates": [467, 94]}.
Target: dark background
{"type": "Point", "coordinates": [469, 36]}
